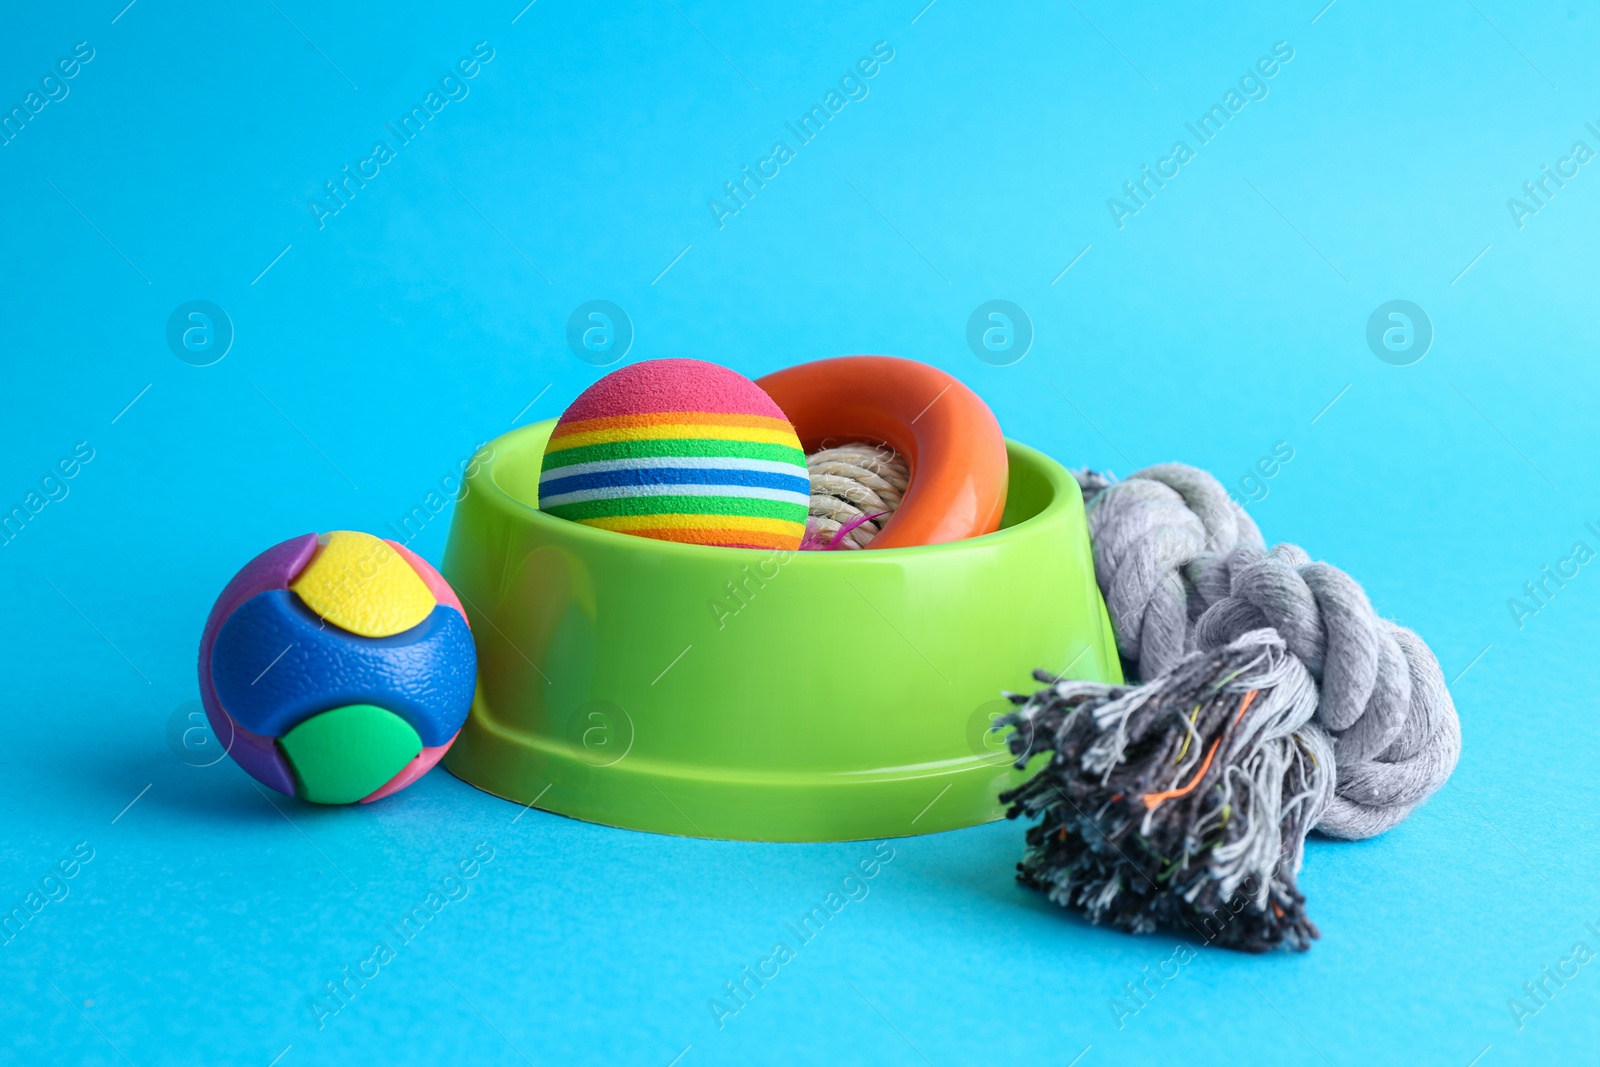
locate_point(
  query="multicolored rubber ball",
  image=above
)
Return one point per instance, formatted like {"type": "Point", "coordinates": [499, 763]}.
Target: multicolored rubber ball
{"type": "Point", "coordinates": [337, 668]}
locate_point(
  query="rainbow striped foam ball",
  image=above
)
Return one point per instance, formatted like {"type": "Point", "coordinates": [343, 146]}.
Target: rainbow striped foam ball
{"type": "Point", "coordinates": [679, 450]}
{"type": "Point", "coordinates": [337, 668]}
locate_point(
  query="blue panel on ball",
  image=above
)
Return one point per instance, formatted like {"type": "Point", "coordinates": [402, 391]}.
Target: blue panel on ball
{"type": "Point", "coordinates": [275, 664]}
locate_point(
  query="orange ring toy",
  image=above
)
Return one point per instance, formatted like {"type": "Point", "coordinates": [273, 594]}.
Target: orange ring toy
{"type": "Point", "coordinates": [948, 436]}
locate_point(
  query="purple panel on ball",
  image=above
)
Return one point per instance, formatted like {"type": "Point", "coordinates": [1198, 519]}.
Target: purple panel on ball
{"type": "Point", "coordinates": [273, 569]}
{"type": "Point", "coordinates": [259, 756]}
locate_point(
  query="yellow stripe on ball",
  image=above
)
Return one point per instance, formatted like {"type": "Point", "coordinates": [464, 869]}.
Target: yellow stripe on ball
{"type": "Point", "coordinates": [693, 431]}
{"type": "Point", "coordinates": [360, 584]}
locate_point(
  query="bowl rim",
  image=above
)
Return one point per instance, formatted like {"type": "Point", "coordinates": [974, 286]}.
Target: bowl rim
{"type": "Point", "coordinates": [1065, 494]}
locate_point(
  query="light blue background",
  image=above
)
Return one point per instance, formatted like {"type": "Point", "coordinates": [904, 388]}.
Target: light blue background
{"type": "Point", "coordinates": [1225, 317]}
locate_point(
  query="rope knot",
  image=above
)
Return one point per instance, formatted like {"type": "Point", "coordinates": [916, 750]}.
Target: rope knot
{"type": "Point", "coordinates": [1183, 569]}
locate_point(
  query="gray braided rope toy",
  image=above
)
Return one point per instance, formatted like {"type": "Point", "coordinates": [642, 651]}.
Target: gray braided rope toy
{"type": "Point", "coordinates": [1273, 701]}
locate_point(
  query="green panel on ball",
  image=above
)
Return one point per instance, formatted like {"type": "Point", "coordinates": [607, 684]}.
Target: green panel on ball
{"type": "Point", "coordinates": [345, 754]}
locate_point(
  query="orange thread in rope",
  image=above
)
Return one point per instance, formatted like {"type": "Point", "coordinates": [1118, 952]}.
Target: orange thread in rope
{"type": "Point", "coordinates": [1154, 800]}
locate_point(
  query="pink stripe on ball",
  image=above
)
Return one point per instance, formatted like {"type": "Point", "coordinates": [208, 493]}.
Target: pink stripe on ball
{"type": "Point", "coordinates": [431, 578]}
{"type": "Point", "coordinates": [660, 385]}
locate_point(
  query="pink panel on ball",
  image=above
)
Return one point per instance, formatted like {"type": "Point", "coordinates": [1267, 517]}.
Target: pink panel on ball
{"type": "Point", "coordinates": [423, 761]}
{"type": "Point", "coordinates": [420, 764]}
{"type": "Point", "coordinates": [659, 385]}
{"type": "Point", "coordinates": [432, 579]}
{"type": "Point", "coordinates": [273, 569]}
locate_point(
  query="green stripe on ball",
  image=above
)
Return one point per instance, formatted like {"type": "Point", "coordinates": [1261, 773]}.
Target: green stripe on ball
{"type": "Point", "coordinates": [674, 447]}
{"type": "Point", "coordinates": [681, 505]}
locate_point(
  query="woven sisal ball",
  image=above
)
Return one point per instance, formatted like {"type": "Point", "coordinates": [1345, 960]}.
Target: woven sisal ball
{"type": "Point", "coordinates": [679, 450]}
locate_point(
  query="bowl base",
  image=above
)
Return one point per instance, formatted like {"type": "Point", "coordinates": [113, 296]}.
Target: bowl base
{"type": "Point", "coordinates": [634, 794]}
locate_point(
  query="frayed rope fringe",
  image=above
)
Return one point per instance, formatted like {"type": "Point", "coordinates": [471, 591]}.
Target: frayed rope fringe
{"type": "Point", "coordinates": [1158, 809]}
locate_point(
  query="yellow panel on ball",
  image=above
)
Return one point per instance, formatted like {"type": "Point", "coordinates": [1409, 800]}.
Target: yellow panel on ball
{"type": "Point", "coordinates": [360, 584]}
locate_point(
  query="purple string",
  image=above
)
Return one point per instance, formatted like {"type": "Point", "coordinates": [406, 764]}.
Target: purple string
{"type": "Point", "coordinates": [812, 542]}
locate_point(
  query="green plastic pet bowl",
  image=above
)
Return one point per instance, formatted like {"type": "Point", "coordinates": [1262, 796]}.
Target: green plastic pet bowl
{"type": "Point", "coordinates": [755, 695]}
